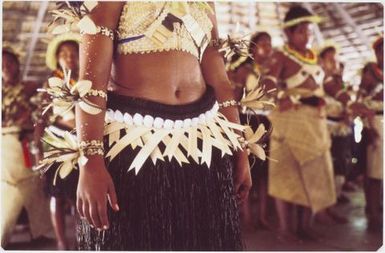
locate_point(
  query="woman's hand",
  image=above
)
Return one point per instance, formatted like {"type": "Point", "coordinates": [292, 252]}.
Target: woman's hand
{"type": "Point", "coordinates": [242, 177]}
{"type": "Point", "coordinates": [94, 188]}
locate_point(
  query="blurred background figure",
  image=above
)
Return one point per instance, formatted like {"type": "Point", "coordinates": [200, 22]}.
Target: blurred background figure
{"type": "Point", "coordinates": [246, 73]}
{"type": "Point", "coordinates": [301, 178]}
{"type": "Point", "coordinates": [371, 94]}
{"type": "Point", "coordinates": [20, 186]}
{"type": "Point", "coordinates": [62, 55]}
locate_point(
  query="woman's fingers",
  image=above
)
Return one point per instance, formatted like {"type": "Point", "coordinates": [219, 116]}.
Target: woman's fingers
{"type": "Point", "coordinates": [102, 211]}
{"type": "Point", "coordinates": [94, 213]}
{"type": "Point", "coordinates": [242, 193]}
{"type": "Point", "coordinates": [86, 212]}
{"type": "Point", "coordinates": [112, 199]}
{"type": "Point", "coordinates": [79, 206]}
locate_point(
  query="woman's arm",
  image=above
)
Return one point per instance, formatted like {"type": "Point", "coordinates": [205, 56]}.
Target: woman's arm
{"type": "Point", "coordinates": [95, 185]}
{"type": "Point", "coordinates": [213, 69]}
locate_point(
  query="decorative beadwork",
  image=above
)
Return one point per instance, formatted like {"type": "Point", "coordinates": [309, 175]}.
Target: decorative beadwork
{"type": "Point", "coordinates": [97, 93]}
{"type": "Point", "coordinates": [140, 27]}
{"type": "Point", "coordinates": [92, 151]}
{"type": "Point", "coordinates": [106, 32]}
{"type": "Point", "coordinates": [92, 143]}
{"type": "Point", "coordinates": [228, 103]}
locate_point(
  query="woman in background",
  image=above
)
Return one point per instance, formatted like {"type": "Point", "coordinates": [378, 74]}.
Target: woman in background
{"type": "Point", "coordinates": [62, 55]}
{"type": "Point", "coordinates": [371, 94]}
{"type": "Point", "coordinates": [300, 169]}
{"type": "Point", "coordinates": [20, 186]}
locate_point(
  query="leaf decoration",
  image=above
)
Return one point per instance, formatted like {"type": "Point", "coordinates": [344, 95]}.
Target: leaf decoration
{"type": "Point", "coordinates": [253, 99]}
{"type": "Point", "coordinates": [69, 14]}
{"type": "Point", "coordinates": [63, 151]}
{"type": "Point", "coordinates": [253, 141]}
{"type": "Point", "coordinates": [234, 46]}
{"type": "Point", "coordinates": [64, 96]}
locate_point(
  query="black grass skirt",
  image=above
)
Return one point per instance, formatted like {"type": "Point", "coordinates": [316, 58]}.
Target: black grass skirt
{"type": "Point", "coordinates": [165, 206]}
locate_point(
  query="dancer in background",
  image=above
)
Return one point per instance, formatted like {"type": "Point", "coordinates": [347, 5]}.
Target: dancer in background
{"type": "Point", "coordinates": [20, 186]}
{"type": "Point", "coordinates": [341, 110]}
{"type": "Point", "coordinates": [246, 75]}
{"type": "Point", "coordinates": [62, 55]}
{"type": "Point", "coordinates": [301, 177]}
{"type": "Point", "coordinates": [371, 94]}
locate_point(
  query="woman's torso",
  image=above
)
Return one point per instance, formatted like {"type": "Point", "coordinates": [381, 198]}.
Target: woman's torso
{"type": "Point", "coordinates": [171, 76]}
{"type": "Point", "coordinates": [293, 68]}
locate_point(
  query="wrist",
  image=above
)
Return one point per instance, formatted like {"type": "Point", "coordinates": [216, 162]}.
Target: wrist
{"type": "Point", "coordinates": [93, 163]}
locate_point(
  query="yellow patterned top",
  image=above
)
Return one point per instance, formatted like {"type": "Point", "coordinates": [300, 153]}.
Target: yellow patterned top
{"type": "Point", "coordinates": [147, 27]}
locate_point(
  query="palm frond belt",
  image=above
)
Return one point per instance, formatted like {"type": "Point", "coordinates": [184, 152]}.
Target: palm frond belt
{"type": "Point", "coordinates": [187, 132]}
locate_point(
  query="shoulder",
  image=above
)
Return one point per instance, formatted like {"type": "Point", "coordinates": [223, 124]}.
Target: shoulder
{"type": "Point", "coordinates": [30, 88]}
{"type": "Point", "coordinates": [107, 13]}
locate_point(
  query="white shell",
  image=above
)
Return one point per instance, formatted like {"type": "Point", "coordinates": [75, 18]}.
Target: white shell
{"type": "Point", "coordinates": [168, 124]}
{"type": "Point", "coordinates": [118, 116]}
{"type": "Point", "coordinates": [148, 120]}
{"type": "Point", "coordinates": [178, 124]}
{"type": "Point", "coordinates": [194, 121]}
{"type": "Point", "coordinates": [138, 119]}
{"type": "Point", "coordinates": [202, 119]}
{"type": "Point", "coordinates": [128, 119]}
{"type": "Point", "coordinates": [158, 122]}
{"type": "Point", "coordinates": [187, 123]}
{"type": "Point", "coordinates": [208, 115]}
{"type": "Point", "coordinates": [110, 115]}
{"type": "Point", "coordinates": [214, 110]}
{"type": "Point", "coordinates": [216, 106]}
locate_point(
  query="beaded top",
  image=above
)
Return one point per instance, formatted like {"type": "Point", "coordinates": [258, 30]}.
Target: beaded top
{"type": "Point", "coordinates": [146, 27]}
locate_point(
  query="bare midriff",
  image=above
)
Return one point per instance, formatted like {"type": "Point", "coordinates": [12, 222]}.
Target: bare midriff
{"type": "Point", "coordinates": [169, 77]}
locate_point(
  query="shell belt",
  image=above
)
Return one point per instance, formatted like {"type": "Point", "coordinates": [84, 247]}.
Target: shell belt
{"type": "Point", "coordinates": [180, 137]}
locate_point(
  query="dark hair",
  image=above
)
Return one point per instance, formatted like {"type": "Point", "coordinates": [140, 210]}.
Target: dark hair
{"type": "Point", "coordinates": [67, 42]}
{"type": "Point", "coordinates": [255, 38]}
{"type": "Point", "coordinates": [378, 44]}
{"type": "Point", "coordinates": [366, 68]}
{"type": "Point", "coordinates": [13, 55]}
{"type": "Point", "coordinates": [296, 11]}
{"type": "Point", "coordinates": [326, 50]}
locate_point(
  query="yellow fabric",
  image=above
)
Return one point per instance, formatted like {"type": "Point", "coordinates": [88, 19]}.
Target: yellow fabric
{"type": "Point", "coordinates": [300, 169]}
{"type": "Point", "coordinates": [375, 153]}
{"type": "Point", "coordinates": [145, 18]}
{"type": "Point", "coordinates": [29, 194]}
{"type": "Point", "coordinates": [13, 169]}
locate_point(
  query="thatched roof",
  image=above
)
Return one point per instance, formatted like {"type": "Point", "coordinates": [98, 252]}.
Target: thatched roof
{"type": "Point", "coordinates": [353, 26]}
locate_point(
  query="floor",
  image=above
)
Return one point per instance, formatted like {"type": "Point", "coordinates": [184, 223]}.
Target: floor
{"type": "Point", "coordinates": [335, 237]}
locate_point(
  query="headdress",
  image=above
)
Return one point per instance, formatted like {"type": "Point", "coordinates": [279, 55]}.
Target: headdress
{"type": "Point", "coordinates": [298, 14]}
{"type": "Point", "coordinates": [55, 43]}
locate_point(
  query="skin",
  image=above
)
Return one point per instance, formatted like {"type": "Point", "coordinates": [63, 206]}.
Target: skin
{"type": "Point", "coordinates": [167, 77]}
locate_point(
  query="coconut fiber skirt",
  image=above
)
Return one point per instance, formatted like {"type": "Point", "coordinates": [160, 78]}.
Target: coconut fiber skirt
{"type": "Point", "coordinates": [166, 206]}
